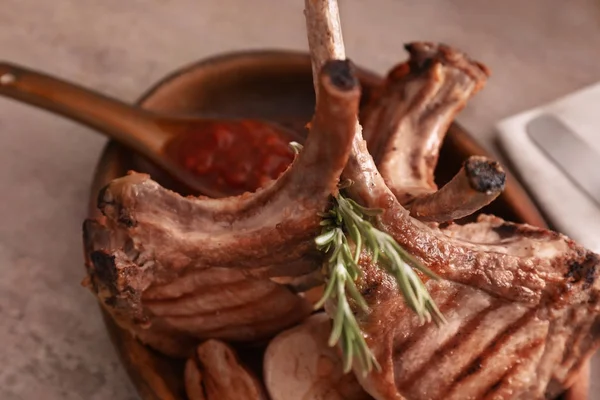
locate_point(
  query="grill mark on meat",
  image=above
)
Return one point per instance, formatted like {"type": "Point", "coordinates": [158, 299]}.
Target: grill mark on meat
{"type": "Point", "coordinates": [422, 349]}
{"type": "Point", "coordinates": [496, 343]}
{"type": "Point", "coordinates": [569, 350]}
{"type": "Point", "coordinates": [578, 342]}
{"type": "Point", "coordinates": [445, 370]}
{"type": "Point", "coordinates": [556, 342]}
{"type": "Point", "coordinates": [522, 357]}
{"type": "Point", "coordinates": [404, 345]}
{"type": "Point", "coordinates": [452, 297]}
{"type": "Point", "coordinates": [491, 391]}
{"type": "Point", "coordinates": [515, 385]}
{"type": "Point", "coordinates": [466, 330]}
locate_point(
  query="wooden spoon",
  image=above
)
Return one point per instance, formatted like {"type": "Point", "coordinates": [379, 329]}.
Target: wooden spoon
{"type": "Point", "coordinates": [212, 156]}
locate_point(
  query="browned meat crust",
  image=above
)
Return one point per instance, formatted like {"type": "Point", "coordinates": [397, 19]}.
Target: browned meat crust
{"type": "Point", "coordinates": [537, 279]}
{"type": "Point", "coordinates": [151, 238]}
{"type": "Point", "coordinates": [522, 303]}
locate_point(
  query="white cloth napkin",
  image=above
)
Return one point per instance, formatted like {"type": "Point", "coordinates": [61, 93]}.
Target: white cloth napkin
{"type": "Point", "coordinates": [570, 210]}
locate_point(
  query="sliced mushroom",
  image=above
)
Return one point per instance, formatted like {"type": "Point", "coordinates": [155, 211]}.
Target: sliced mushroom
{"type": "Point", "coordinates": [215, 373]}
{"type": "Point", "coordinates": [300, 365]}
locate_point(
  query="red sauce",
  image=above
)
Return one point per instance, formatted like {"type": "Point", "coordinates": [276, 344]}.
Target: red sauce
{"type": "Point", "coordinates": [234, 157]}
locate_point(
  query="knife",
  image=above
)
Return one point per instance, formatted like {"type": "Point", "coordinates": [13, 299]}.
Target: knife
{"type": "Point", "coordinates": [568, 151]}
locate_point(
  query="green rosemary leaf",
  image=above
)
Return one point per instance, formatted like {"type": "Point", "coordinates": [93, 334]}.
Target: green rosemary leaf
{"type": "Point", "coordinates": [327, 294]}
{"type": "Point", "coordinates": [296, 147]}
{"type": "Point", "coordinates": [412, 261]}
{"type": "Point", "coordinates": [325, 238]}
{"type": "Point", "coordinates": [348, 350]}
{"type": "Point", "coordinates": [364, 361]}
{"type": "Point", "coordinates": [345, 184]}
{"type": "Point", "coordinates": [338, 320]}
{"type": "Point", "coordinates": [356, 296]}
{"type": "Point", "coordinates": [438, 317]}
{"type": "Point", "coordinates": [360, 210]}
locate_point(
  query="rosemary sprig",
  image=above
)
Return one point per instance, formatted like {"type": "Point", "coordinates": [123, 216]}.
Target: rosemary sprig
{"type": "Point", "coordinates": [346, 223]}
{"type": "Point", "coordinates": [349, 221]}
{"type": "Point", "coordinates": [341, 271]}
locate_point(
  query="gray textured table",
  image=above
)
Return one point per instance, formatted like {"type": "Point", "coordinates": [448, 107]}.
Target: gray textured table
{"type": "Point", "coordinates": [52, 341]}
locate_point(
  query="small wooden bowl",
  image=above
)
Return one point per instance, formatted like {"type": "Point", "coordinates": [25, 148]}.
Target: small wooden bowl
{"type": "Point", "coordinates": [273, 85]}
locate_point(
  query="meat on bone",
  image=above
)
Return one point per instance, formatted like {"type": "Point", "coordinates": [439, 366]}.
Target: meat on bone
{"type": "Point", "coordinates": [522, 303]}
{"type": "Point", "coordinates": [406, 121]}
{"type": "Point", "coordinates": [156, 259]}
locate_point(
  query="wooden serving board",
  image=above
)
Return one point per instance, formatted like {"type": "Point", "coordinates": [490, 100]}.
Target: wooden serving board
{"type": "Point", "coordinates": [273, 85]}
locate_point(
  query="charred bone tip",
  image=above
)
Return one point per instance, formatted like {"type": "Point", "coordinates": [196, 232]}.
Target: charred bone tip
{"type": "Point", "coordinates": [423, 54]}
{"type": "Point", "coordinates": [485, 175]}
{"type": "Point", "coordinates": [104, 197]}
{"type": "Point", "coordinates": [341, 74]}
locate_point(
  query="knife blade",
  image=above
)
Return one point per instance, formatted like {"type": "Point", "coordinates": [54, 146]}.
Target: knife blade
{"type": "Point", "coordinates": [568, 151]}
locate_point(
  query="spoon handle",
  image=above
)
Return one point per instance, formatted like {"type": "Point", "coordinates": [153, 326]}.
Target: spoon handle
{"type": "Point", "coordinates": [128, 125]}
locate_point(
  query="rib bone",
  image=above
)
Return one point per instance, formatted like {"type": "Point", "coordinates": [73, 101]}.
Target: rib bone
{"type": "Point", "coordinates": [407, 120]}
{"type": "Point", "coordinates": [477, 184]}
